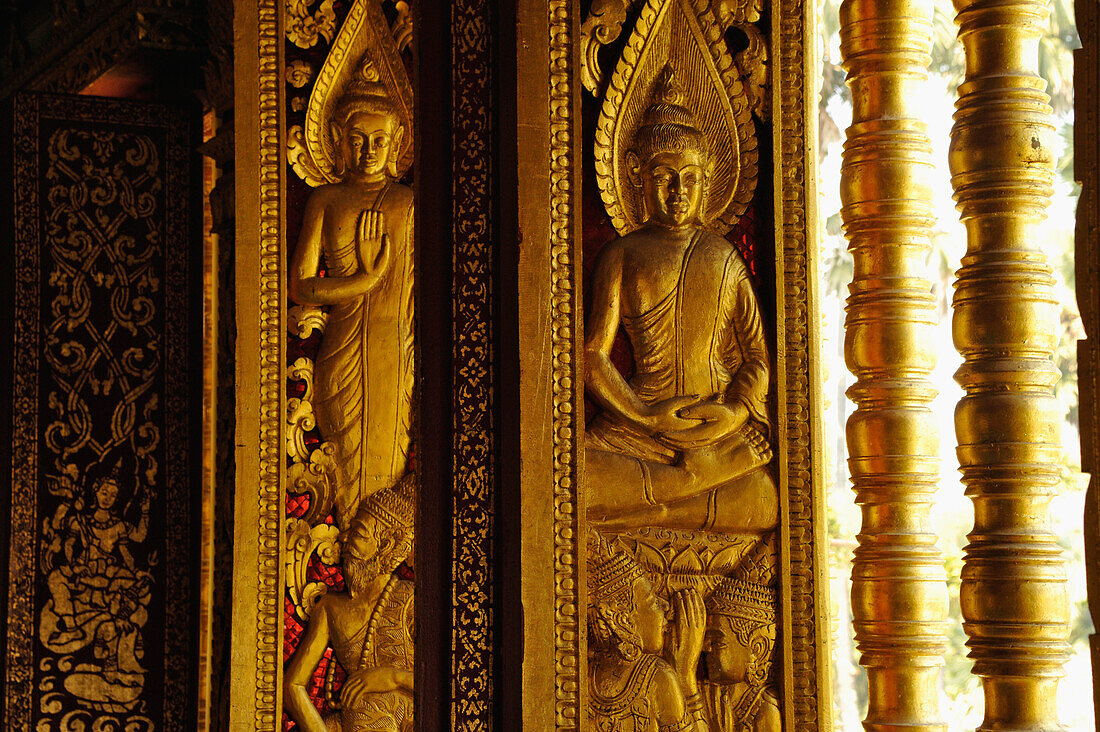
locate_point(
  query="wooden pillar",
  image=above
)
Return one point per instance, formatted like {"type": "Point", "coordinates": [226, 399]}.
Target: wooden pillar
{"type": "Point", "coordinates": [1014, 602]}
{"type": "Point", "coordinates": [1086, 152]}
{"type": "Point", "coordinates": [899, 584]}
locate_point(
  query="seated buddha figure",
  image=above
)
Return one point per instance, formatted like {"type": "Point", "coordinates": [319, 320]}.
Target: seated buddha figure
{"type": "Point", "coordinates": [683, 444]}
{"type": "Point", "coordinates": [632, 686]}
{"type": "Point", "coordinates": [739, 645]}
{"type": "Point", "coordinates": [370, 627]}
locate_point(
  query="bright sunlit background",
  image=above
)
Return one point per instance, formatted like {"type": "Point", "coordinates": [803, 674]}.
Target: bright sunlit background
{"type": "Point", "coordinates": [954, 514]}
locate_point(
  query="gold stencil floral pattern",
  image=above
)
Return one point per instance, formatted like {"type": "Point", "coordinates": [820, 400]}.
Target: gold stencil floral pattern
{"type": "Point", "coordinates": [98, 607]}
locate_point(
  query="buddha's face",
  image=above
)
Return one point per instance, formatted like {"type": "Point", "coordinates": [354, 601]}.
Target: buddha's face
{"type": "Point", "coordinates": [367, 143]}
{"type": "Point", "coordinates": [673, 184]}
{"type": "Point", "coordinates": [650, 616]}
{"type": "Point", "coordinates": [727, 658]}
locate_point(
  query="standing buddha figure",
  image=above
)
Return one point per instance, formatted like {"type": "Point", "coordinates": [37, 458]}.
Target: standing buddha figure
{"type": "Point", "coordinates": [362, 228]}
{"type": "Point", "coordinates": [684, 443]}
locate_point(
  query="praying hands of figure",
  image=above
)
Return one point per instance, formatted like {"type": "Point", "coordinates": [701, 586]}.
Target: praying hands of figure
{"type": "Point", "coordinates": [688, 630]}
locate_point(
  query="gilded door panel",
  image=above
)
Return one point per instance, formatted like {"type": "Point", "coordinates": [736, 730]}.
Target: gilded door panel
{"type": "Point", "coordinates": [687, 505]}
{"type": "Point", "coordinates": [351, 478]}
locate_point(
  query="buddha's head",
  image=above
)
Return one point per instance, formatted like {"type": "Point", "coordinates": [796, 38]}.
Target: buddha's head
{"type": "Point", "coordinates": [670, 159]}
{"type": "Point", "coordinates": [740, 635]}
{"type": "Point", "coordinates": [367, 131]}
{"type": "Point", "coordinates": [625, 616]}
{"type": "Point", "coordinates": [380, 536]}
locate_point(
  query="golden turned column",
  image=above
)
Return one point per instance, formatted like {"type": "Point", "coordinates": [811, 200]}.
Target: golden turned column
{"type": "Point", "coordinates": [1014, 602]}
{"type": "Point", "coordinates": [899, 584]}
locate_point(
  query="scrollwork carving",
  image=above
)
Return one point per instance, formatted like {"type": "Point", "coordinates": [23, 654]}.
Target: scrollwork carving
{"type": "Point", "coordinates": [299, 73]}
{"type": "Point", "coordinates": [306, 26]}
{"type": "Point", "coordinates": [303, 541]}
{"type": "Point", "coordinates": [602, 27]}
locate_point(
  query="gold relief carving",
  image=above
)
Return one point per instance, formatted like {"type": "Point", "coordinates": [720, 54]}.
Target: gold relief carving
{"type": "Point", "coordinates": [641, 677]}
{"type": "Point", "coordinates": [313, 472]}
{"type": "Point", "coordinates": [565, 320]}
{"type": "Point", "coordinates": [742, 615]}
{"type": "Point", "coordinates": [360, 224]}
{"type": "Point", "coordinates": [306, 26]}
{"type": "Point", "coordinates": [303, 320]}
{"type": "Point", "coordinates": [403, 26]}
{"type": "Point", "coordinates": [677, 461]}
{"type": "Point", "coordinates": [365, 48]}
{"type": "Point", "coordinates": [632, 685]}
{"type": "Point", "coordinates": [299, 73]}
{"type": "Point", "coordinates": [684, 443]}
{"type": "Point", "coordinates": [268, 632]}
{"type": "Point", "coordinates": [806, 696]}
{"type": "Point", "coordinates": [685, 38]}
{"type": "Point", "coordinates": [752, 67]}
{"type": "Point", "coordinates": [676, 560]}
{"type": "Point", "coordinates": [351, 275]}
{"type": "Point", "coordinates": [302, 542]}
{"type": "Point", "coordinates": [602, 27]}
{"type": "Point", "coordinates": [370, 626]}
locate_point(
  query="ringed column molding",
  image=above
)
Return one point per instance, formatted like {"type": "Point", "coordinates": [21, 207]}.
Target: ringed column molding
{"type": "Point", "coordinates": [899, 583]}
{"type": "Point", "coordinates": [1014, 599]}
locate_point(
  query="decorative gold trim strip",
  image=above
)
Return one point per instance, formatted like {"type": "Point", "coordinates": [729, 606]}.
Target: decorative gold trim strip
{"type": "Point", "coordinates": [1014, 598]}
{"type": "Point", "coordinates": [567, 406]}
{"type": "Point", "coordinates": [256, 696]}
{"type": "Point", "coordinates": [807, 697]}
{"type": "Point", "coordinates": [899, 583]}
{"type": "Point", "coordinates": [473, 599]}
{"type": "Point", "coordinates": [269, 623]}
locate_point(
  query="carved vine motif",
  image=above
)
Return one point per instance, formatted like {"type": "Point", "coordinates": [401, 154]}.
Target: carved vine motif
{"type": "Point", "coordinates": [312, 471]}
{"type": "Point", "coordinates": [299, 73]}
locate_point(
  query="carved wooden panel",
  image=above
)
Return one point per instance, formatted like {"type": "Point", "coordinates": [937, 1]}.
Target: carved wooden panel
{"type": "Point", "coordinates": [678, 204]}
{"type": "Point", "coordinates": [555, 190]}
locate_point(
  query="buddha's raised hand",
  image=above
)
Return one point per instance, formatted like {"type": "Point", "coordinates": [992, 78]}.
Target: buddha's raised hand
{"type": "Point", "coordinates": [373, 245]}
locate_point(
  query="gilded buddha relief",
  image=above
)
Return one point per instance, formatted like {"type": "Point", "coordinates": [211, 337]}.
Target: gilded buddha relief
{"type": "Point", "coordinates": [352, 491]}
{"type": "Point", "coordinates": [681, 490]}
